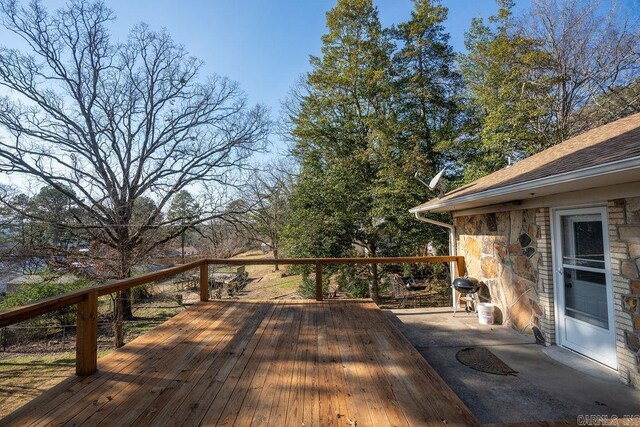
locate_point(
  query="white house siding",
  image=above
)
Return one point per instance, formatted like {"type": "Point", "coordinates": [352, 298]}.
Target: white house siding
{"type": "Point", "coordinates": [545, 276]}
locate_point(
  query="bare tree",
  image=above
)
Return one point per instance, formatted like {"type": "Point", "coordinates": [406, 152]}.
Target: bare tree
{"type": "Point", "coordinates": [186, 208]}
{"type": "Point", "coordinates": [266, 196]}
{"type": "Point", "coordinates": [107, 123]}
{"type": "Point", "coordinates": [594, 51]}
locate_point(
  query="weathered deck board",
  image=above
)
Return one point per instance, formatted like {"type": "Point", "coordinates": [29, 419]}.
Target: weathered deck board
{"type": "Point", "coordinates": [257, 363]}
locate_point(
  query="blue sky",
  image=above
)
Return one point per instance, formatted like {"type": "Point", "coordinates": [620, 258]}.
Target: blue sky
{"type": "Point", "coordinates": [262, 44]}
{"type": "Point", "coordinates": [265, 44]}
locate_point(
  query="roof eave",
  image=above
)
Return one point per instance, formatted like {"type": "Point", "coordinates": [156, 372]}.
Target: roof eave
{"type": "Point", "coordinates": [476, 199]}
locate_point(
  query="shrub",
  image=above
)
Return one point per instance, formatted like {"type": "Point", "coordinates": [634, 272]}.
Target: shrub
{"type": "Point", "coordinates": [353, 283]}
{"type": "Point", "coordinates": [32, 292]}
{"type": "Point", "coordinates": [141, 293]}
{"type": "Point", "coordinates": [308, 287]}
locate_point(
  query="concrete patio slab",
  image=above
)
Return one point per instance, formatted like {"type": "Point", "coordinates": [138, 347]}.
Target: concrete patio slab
{"type": "Point", "coordinates": [548, 387]}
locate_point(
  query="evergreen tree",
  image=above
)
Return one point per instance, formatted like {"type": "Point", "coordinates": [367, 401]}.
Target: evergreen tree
{"type": "Point", "coordinates": [429, 84]}
{"type": "Point", "coordinates": [51, 210]}
{"type": "Point", "coordinates": [339, 128]}
{"type": "Point", "coordinates": [368, 122]}
{"type": "Point", "coordinates": [508, 85]}
{"type": "Point", "coordinates": [427, 91]}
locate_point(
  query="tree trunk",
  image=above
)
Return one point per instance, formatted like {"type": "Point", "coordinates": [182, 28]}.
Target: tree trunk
{"type": "Point", "coordinates": [275, 256]}
{"type": "Point", "coordinates": [373, 268]}
{"type": "Point", "coordinates": [373, 285]}
{"type": "Point", "coordinates": [182, 238]}
{"type": "Point", "coordinates": [124, 273]}
{"type": "Point", "coordinates": [118, 320]}
{"type": "Point", "coordinates": [127, 312]}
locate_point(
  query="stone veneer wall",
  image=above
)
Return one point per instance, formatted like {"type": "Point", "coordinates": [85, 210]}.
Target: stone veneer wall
{"type": "Point", "coordinates": [511, 253]}
{"type": "Point", "coordinates": [624, 241]}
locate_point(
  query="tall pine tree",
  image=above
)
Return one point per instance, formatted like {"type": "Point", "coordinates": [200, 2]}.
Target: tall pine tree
{"type": "Point", "coordinates": [367, 123]}
{"type": "Point", "coordinates": [425, 103]}
{"type": "Point", "coordinates": [508, 85]}
{"type": "Point", "coordinates": [338, 129]}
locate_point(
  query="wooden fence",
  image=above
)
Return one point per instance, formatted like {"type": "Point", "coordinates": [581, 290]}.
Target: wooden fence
{"type": "Point", "coordinates": [86, 299]}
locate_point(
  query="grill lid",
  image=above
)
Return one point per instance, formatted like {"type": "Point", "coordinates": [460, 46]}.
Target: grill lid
{"type": "Point", "coordinates": [466, 285]}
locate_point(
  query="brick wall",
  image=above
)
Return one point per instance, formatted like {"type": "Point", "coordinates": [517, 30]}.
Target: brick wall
{"type": "Point", "coordinates": [624, 240]}
{"type": "Point", "coordinates": [545, 276]}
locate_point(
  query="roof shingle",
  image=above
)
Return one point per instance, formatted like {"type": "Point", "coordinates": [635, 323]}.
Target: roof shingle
{"type": "Point", "coordinates": [619, 140]}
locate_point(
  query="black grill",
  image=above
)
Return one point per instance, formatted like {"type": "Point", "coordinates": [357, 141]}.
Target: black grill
{"type": "Point", "coordinates": [466, 285]}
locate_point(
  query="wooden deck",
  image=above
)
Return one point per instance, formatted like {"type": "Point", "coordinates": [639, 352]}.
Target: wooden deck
{"type": "Point", "coordinates": [281, 363]}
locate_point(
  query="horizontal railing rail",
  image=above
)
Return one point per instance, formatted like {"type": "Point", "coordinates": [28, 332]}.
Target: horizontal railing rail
{"type": "Point", "coordinates": [86, 299]}
{"type": "Point", "coordinates": [311, 261]}
{"type": "Point", "coordinates": [48, 305]}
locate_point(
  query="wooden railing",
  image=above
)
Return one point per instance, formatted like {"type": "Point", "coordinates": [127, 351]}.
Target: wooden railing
{"type": "Point", "coordinates": [86, 299]}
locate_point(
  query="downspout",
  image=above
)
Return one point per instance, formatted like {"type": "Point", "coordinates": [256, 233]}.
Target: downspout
{"type": "Point", "coordinates": [452, 248]}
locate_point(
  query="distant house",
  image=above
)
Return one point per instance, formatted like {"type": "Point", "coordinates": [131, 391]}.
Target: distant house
{"type": "Point", "coordinates": [556, 239]}
{"type": "Point", "coordinates": [23, 279]}
{"type": "Point", "coordinates": [11, 273]}
{"type": "Point", "coordinates": [5, 278]}
{"type": "Point", "coordinates": [188, 251]}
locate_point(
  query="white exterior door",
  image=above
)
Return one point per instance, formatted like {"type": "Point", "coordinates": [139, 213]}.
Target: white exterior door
{"type": "Point", "coordinates": [584, 294]}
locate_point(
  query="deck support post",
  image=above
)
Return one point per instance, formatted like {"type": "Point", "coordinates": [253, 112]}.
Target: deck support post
{"type": "Point", "coordinates": [87, 335]}
{"type": "Point", "coordinates": [318, 282]}
{"type": "Point", "coordinates": [204, 281]}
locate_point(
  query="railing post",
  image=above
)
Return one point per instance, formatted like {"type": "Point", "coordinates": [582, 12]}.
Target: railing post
{"type": "Point", "coordinates": [460, 267]}
{"type": "Point", "coordinates": [87, 335]}
{"type": "Point", "coordinates": [204, 281]}
{"type": "Point", "coordinates": [318, 282]}
{"type": "Point", "coordinates": [460, 270]}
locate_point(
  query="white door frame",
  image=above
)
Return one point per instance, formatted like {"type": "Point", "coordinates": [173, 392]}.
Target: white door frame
{"type": "Point", "coordinates": [558, 278]}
